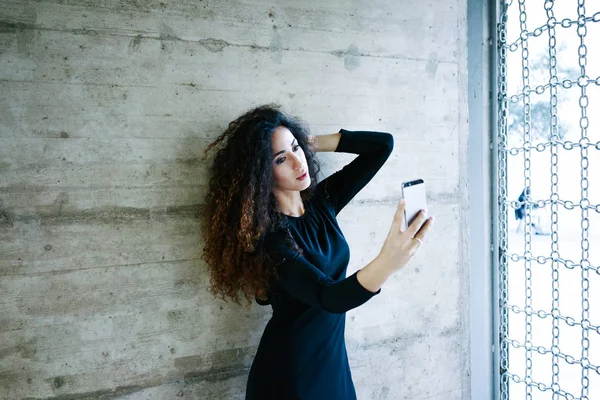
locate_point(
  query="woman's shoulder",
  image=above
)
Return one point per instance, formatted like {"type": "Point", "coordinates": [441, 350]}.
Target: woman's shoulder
{"type": "Point", "coordinates": [321, 195]}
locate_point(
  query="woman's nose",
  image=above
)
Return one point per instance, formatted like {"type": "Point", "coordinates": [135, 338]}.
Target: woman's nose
{"type": "Point", "coordinates": [297, 163]}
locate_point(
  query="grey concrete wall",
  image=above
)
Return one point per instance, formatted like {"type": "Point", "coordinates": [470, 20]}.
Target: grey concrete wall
{"type": "Point", "coordinates": [105, 109]}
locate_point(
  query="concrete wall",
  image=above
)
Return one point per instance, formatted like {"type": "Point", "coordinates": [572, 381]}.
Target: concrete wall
{"type": "Point", "coordinates": [105, 109]}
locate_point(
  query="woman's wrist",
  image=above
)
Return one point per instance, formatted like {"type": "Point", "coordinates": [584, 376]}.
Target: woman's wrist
{"type": "Point", "coordinates": [373, 275]}
{"type": "Point", "coordinates": [312, 143]}
{"type": "Point", "coordinates": [325, 142]}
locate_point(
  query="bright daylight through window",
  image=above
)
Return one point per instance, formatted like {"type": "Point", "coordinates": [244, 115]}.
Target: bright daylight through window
{"type": "Point", "coordinates": [549, 199]}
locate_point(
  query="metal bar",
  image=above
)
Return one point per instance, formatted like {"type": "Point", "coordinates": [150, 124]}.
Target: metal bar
{"type": "Point", "coordinates": [481, 85]}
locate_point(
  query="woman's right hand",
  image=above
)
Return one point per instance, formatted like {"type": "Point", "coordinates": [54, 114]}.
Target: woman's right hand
{"type": "Point", "coordinates": [400, 246]}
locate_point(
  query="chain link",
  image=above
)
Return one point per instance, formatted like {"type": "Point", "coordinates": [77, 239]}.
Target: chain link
{"type": "Point", "coordinates": [549, 6]}
{"type": "Point", "coordinates": [542, 387]}
{"type": "Point", "coordinates": [569, 205]}
{"type": "Point", "coordinates": [540, 147]}
{"type": "Point", "coordinates": [565, 84]}
{"type": "Point", "coordinates": [554, 259]}
{"type": "Point", "coordinates": [502, 179]}
{"type": "Point", "coordinates": [551, 24]}
{"type": "Point", "coordinates": [555, 314]}
{"type": "Point", "coordinates": [585, 223]}
{"type": "Point", "coordinates": [542, 260]}
{"type": "Point", "coordinates": [527, 185]}
{"type": "Point", "coordinates": [555, 352]}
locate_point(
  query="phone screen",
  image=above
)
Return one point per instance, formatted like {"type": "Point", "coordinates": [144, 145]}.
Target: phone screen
{"type": "Point", "coordinates": [414, 194]}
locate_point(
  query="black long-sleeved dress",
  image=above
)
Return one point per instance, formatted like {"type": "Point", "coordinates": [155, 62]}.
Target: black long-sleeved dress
{"type": "Point", "coordinates": [302, 353]}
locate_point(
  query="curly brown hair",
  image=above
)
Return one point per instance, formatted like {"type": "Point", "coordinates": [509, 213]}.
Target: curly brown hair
{"type": "Point", "coordinates": [240, 207]}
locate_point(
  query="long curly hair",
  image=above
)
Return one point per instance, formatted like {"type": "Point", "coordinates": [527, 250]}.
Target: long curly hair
{"type": "Point", "coordinates": [240, 207]}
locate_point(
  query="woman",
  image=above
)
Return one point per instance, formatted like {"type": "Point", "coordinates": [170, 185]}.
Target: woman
{"type": "Point", "coordinates": [271, 234]}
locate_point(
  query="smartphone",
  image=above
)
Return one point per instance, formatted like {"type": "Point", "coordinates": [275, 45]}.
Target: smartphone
{"type": "Point", "coordinates": [413, 192]}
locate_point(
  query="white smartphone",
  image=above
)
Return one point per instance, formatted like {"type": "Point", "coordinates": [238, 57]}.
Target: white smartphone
{"type": "Point", "coordinates": [413, 192]}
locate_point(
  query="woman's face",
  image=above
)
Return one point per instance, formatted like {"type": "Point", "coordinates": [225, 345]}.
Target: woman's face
{"type": "Point", "coordinates": [289, 162]}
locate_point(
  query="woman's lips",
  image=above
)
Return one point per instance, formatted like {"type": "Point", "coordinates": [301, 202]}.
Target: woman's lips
{"type": "Point", "coordinates": [301, 178]}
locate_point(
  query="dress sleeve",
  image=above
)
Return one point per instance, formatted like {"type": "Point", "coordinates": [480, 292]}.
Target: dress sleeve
{"type": "Point", "coordinates": [310, 285]}
{"type": "Point", "coordinates": [373, 149]}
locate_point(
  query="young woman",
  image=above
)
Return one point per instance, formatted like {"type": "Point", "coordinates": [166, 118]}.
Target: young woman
{"type": "Point", "coordinates": [271, 234]}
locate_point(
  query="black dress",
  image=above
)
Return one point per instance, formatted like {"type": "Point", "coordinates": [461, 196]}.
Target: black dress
{"type": "Point", "coordinates": [302, 353]}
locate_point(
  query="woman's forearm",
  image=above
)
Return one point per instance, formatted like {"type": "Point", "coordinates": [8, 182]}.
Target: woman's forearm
{"type": "Point", "coordinates": [373, 275]}
{"type": "Point", "coordinates": [326, 142]}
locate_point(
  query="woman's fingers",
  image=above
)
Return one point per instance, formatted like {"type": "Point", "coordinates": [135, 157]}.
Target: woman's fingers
{"type": "Point", "coordinates": [398, 217]}
{"type": "Point", "coordinates": [416, 224]}
{"type": "Point", "coordinates": [424, 229]}
{"type": "Point", "coordinates": [417, 240]}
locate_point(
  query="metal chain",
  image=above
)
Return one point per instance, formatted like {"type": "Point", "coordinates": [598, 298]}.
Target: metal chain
{"type": "Point", "coordinates": [569, 205]}
{"type": "Point", "coordinates": [585, 223]}
{"type": "Point", "coordinates": [540, 147]}
{"type": "Point", "coordinates": [527, 185]}
{"type": "Point", "coordinates": [583, 203]}
{"type": "Point", "coordinates": [568, 320]}
{"type": "Point", "coordinates": [542, 387]}
{"type": "Point", "coordinates": [503, 208]}
{"type": "Point", "coordinates": [549, 6]}
{"type": "Point", "coordinates": [565, 23]}
{"type": "Point", "coordinates": [565, 84]}
{"type": "Point", "coordinates": [543, 259]}
{"type": "Point", "coordinates": [542, 350]}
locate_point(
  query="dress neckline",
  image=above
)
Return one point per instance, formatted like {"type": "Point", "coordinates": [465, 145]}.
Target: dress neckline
{"type": "Point", "coordinates": [306, 207]}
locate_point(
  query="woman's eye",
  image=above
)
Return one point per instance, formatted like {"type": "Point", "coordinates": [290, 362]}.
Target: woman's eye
{"type": "Point", "coordinates": [282, 159]}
